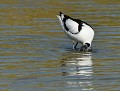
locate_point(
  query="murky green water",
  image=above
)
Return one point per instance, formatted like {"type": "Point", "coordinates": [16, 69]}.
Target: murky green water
{"type": "Point", "coordinates": [36, 55]}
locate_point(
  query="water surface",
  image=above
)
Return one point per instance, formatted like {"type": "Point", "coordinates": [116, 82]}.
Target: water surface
{"type": "Point", "coordinates": [36, 55]}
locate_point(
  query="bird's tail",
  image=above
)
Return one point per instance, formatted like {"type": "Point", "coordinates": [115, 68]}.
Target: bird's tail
{"type": "Point", "coordinates": [60, 17]}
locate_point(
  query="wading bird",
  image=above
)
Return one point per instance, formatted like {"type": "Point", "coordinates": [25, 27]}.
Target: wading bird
{"type": "Point", "coordinates": [78, 31]}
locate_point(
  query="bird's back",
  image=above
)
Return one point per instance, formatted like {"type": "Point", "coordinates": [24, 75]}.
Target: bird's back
{"type": "Point", "coordinates": [76, 29]}
{"type": "Point", "coordinates": [69, 24]}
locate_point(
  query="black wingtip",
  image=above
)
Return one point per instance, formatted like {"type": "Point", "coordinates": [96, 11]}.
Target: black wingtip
{"type": "Point", "coordinates": [60, 13]}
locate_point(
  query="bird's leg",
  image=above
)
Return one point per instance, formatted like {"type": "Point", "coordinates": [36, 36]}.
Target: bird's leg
{"type": "Point", "coordinates": [75, 45]}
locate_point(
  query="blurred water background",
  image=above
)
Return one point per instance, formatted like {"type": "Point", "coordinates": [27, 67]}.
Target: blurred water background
{"type": "Point", "coordinates": [36, 55]}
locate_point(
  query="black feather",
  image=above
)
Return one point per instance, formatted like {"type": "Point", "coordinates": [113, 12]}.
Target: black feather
{"type": "Point", "coordinates": [61, 13]}
{"type": "Point", "coordinates": [80, 23]}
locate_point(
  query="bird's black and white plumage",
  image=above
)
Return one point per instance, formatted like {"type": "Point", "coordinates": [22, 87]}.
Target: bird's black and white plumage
{"type": "Point", "coordinates": [77, 30]}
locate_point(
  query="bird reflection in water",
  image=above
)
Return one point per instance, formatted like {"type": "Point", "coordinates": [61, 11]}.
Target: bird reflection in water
{"type": "Point", "coordinates": [78, 71]}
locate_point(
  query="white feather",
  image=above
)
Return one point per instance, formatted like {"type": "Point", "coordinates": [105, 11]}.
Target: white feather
{"type": "Point", "coordinates": [72, 25]}
{"type": "Point", "coordinates": [60, 19]}
{"type": "Point", "coordinates": [85, 35]}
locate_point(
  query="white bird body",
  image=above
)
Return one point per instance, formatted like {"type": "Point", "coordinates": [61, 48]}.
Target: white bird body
{"type": "Point", "coordinates": [77, 30]}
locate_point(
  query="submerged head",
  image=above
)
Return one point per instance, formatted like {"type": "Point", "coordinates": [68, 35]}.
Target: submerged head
{"type": "Point", "coordinates": [86, 47]}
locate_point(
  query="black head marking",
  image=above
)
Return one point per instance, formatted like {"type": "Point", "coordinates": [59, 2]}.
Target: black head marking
{"type": "Point", "coordinates": [88, 45]}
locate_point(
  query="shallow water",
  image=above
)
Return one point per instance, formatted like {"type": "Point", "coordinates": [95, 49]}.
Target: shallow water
{"type": "Point", "coordinates": [36, 55]}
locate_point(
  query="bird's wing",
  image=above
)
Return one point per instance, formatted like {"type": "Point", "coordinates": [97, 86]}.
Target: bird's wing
{"type": "Point", "coordinates": [72, 26]}
{"type": "Point", "coordinates": [69, 24]}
